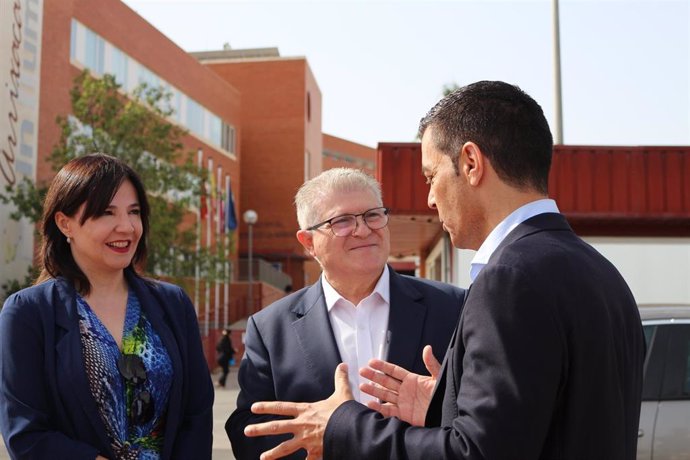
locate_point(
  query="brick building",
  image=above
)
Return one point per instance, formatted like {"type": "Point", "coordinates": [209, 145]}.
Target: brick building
{"type": "Point", "coordinates": [253, 119]}
{"type": "Point", "coordinates": [283, 145]}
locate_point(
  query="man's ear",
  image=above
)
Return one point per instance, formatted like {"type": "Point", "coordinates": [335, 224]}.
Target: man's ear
{"type": "Point", "coordinates": [63, 223]}
{"type": "Point", "coordinates": [472, 163]}
{"type": "Point", "coordinates": [306, 239]}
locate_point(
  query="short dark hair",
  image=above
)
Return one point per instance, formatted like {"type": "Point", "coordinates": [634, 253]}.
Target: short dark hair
{"type": "Point", "coordinates": [92, 180]}
{"type": "Point", "coordinates": [505, 122]}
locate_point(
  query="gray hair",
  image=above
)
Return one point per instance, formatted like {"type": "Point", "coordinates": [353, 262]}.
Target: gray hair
{"type": "Point", "coordinates": [313, 191]}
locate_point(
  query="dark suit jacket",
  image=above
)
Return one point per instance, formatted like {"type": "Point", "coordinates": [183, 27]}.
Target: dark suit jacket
{"type": "Point", "coordinates": [46, 406]}
{"type": "Point", "coordinates": [291, 353]}
{"type": "Point", "coordinates": [546, 363]}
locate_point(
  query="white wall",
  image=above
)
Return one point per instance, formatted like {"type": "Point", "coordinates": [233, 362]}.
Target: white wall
{"type": "Point", "coordinates": [461, 267]}
{"type": "Point", "coordinates": [20, 76]}
{"type": "Point", "coordinates": [656, 269]}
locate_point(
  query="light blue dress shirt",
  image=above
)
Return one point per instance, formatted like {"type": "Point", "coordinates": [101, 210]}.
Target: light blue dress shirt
{"type": "Point", "coordinates": [498, 234]}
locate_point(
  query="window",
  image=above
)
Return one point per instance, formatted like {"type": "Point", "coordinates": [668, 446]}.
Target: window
{"type": "Point", "coordinates": [677, 381]}
{"type": "Point", "coordinates": [176, 104]}
{"type": "Point", "coordinates": [215, 127]}
{"type": "Point", "coordinates": [90, 50]}
{"type": "Point", "coordinates": [118, 66]}
{"type": "Point", "coordinates": [95, 51]}
{"type": "Point", "coordinates": [195, 117]}
{"type": "Point", "coordinates": [149, 78]}
{"type": "Point", "coordinates": [667, 364]}
{"type": "Point", "coordinates": [227, 139]}
{"type": "Point", "coordinates": [308, 106]}
{"type": "Point", "coordinates": [73, 41]}
{"type": "Point", "coordinates": [686, 387]}
{"type": "Point", "coordinates": [648, 334]}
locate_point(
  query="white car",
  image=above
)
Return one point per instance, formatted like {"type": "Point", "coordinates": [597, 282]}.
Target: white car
{"type": "Point", "coordinates": [664, 432]}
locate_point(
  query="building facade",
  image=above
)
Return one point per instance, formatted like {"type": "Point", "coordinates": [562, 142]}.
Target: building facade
{"type": "Point", "coordinates": [51, 43]}
{"type": "Point", "coordinates": [253, 120]}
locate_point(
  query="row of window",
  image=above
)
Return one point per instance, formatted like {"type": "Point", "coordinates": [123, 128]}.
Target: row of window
{"type": "Point", "coordinates": [92, 51]}
{"type": "Point", "coordinates": [358, 162]}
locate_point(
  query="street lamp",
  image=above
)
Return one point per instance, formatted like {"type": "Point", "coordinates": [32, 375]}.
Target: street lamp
{"type": "Point", "coordinates": [250, 217]}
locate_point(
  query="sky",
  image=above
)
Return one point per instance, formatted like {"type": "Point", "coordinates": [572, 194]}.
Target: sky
{"type": "Point", "coordinates": [381, 65]}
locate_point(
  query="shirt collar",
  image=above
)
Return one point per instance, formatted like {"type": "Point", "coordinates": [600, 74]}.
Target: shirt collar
{"type": "Point", "coordinates": [502, 230]}
{"type": "Point", "coordinates": [382, 288]}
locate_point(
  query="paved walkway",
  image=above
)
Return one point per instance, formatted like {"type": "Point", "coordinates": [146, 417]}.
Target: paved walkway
{"type": "Point", "coordinates": [223, 405]}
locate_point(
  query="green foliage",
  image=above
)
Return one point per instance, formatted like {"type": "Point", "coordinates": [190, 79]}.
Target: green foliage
{"type": "Point", "coordinates": [12, 286]}
{"type": "Point", "coordinates": [135, 130]}
{"type": "Point", "coordinates": [27, 199]}
{"type": "Point", "coordinates": [449, 88]}
{"type": "Point", "coordinates": [445, 91]}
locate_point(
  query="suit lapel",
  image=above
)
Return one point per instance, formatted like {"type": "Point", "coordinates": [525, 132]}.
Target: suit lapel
{"type": "Point", "coordinates": [315, 335]}
{"type": "Point", "coordinates": [407, 314]}
{"type": "Point", "coordinates": [70, 359]}
{"type": "Point", "coordinates": [446, 377]}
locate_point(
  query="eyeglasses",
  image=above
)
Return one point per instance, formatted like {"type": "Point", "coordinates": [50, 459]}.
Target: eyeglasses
{"type": "Point", "coordinates": [132, 369]}
{"type": "Point", "coordinates": [346, 224]}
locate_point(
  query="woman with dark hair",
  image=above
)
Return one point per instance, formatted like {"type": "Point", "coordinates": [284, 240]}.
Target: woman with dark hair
{"type": "Point", "coordinates": [96, 361]}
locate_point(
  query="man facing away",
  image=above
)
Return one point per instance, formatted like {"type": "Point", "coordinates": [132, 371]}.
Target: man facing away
{"type": "Point", "coordinates": [358, 310]}
{"type": "Point", "coordinates": [225, 353]}
{"type": "Point", "coordinates": [546, 361]}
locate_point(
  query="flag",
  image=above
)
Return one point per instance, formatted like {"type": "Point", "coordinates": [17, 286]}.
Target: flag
{"type": "Point", "coordinates": [221, 213]}
{"type": "Point", "coordinates": [230, 216]}
{"type": "Point", "coordinates": [212, 184]}
{"type": "Point", "coordinates": [203, 209]}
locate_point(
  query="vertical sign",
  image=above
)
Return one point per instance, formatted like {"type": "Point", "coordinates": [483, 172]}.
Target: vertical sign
{"type": "Point", "coordinates": [21, 23]}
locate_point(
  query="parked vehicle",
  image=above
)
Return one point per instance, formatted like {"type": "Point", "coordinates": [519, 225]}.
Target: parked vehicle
{"type": "Point", "coordinates": [664, 432]}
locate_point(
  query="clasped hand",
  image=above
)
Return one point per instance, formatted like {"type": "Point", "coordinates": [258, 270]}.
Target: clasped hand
{"type": "Point", "coordinates": [403, 394]}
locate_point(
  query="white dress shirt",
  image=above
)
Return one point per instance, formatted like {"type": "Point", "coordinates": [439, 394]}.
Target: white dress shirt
{"type": "Point", "coordinates": [498, 234]}
{"type": "Point", "coordinates": [359, 331]}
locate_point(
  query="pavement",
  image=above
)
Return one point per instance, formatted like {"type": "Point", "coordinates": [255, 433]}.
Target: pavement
{"type": "Point", "coordinates": [223, 405]}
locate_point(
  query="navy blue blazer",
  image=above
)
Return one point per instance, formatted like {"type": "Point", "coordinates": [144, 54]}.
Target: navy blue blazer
{"type": "Point", "coordinates": [546, 363]}
{"type": "Point", "coordinates": [46, 406]}
{"type": "Point", "coordinates": [291, 353]}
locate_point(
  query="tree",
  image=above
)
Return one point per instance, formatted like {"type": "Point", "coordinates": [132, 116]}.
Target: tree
{"type": "Point", "coordinates": [445, 91]}
{"type": "Point", "coordinates": [134, 129]}
{"type": "Point", "coordinates": [449, 88]}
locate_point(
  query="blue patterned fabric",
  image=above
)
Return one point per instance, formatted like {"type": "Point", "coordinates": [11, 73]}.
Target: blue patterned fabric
{"type": "Point", "coordinates": [113, 394]}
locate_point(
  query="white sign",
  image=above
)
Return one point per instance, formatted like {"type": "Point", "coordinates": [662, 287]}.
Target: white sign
{"type": "Point", "coordinates": [21, 24]}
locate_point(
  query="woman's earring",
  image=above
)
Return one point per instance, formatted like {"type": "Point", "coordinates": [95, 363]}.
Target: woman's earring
{"type": "Point", "coordinates": [69, 240]}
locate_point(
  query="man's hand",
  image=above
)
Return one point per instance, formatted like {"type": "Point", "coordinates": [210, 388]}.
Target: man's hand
{"type": "Point", "coordinates": [403, 394]}
{"type": "Point", "coordinates": [309, 422]}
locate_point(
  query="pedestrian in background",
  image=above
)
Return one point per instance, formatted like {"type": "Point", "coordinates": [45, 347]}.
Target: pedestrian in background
{"type": "Point", "coordinates": [226, 353]}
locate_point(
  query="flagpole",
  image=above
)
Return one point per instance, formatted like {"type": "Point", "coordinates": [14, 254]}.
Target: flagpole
{"type": "Point", "coordinates": [219, 200]}
{"type": "Point", "coordinates": [209, 223]}
{"type": "Point", "coordinates": [558, 99]}
{"type": "Point", "coordinates": [197, 268]}
{"type": "Point", "coordinates": [226, 268]}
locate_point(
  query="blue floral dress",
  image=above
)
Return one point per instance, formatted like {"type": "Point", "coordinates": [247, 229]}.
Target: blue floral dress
{"type": "Point", "coordinates": [113, 393]}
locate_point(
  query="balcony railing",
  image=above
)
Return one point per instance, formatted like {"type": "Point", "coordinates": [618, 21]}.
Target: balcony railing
{"type": "Point", "coordinates": [264, 272]}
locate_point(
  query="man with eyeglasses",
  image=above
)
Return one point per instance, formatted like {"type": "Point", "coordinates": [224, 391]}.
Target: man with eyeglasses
{"type": "Point", "coordinates": [359, 309]}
